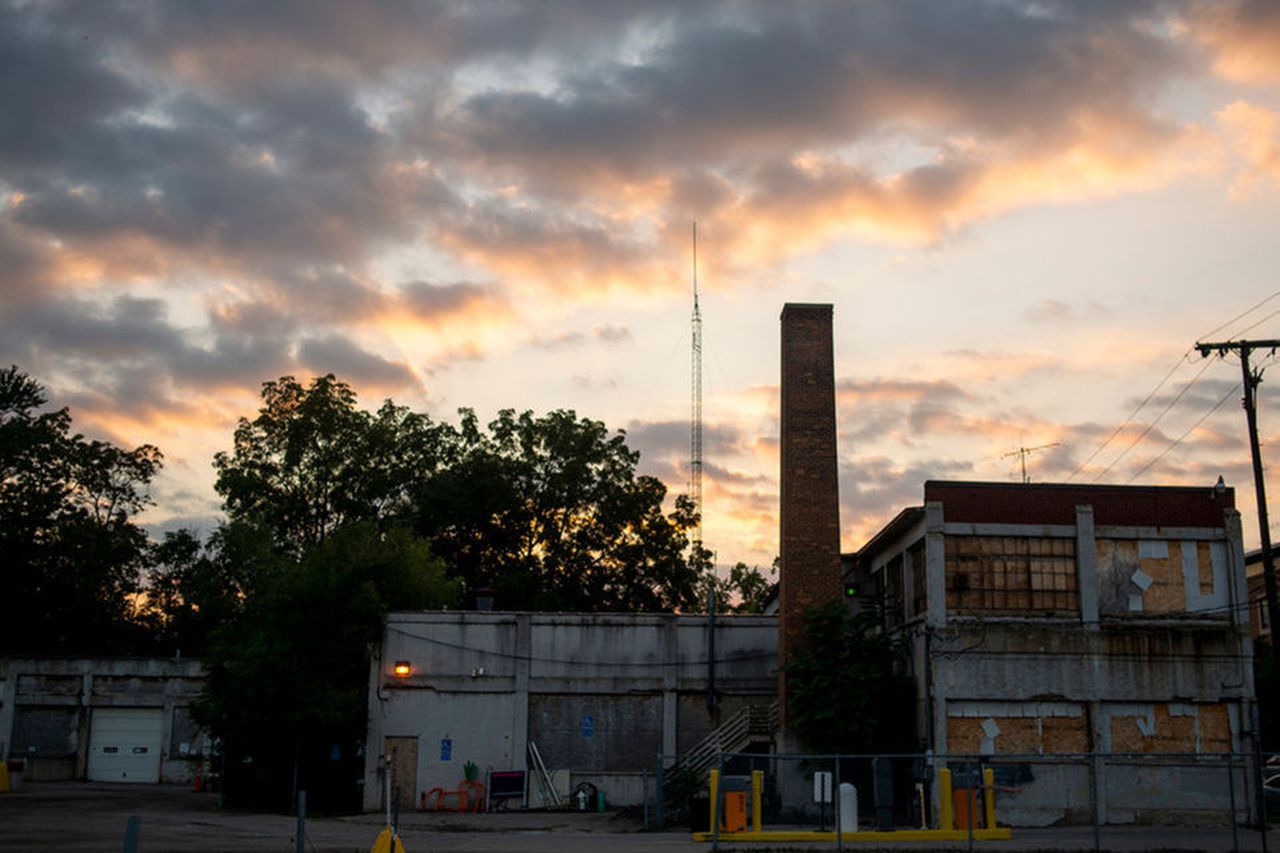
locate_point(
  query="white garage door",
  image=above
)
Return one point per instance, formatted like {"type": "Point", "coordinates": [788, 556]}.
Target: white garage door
{"type": "Point", "coordinates": [124, 744]}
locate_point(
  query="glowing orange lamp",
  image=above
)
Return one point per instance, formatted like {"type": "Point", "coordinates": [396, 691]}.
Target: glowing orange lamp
{"type": "Point", "coordinates": [403, 669]}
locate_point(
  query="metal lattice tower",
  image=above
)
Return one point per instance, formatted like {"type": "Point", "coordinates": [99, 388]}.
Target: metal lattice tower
{"type": "Point", "coordinates": [695, 442]}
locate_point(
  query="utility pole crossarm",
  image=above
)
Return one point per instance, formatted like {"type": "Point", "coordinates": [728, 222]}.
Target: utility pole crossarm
{"type": "Point", "coordinates": [1223, 347]}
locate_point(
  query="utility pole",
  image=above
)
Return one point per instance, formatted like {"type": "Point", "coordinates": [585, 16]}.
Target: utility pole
{"type": "Point", "coordinates": [1251, 380]}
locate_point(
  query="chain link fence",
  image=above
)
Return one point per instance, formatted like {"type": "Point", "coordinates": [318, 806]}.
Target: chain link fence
{"type": "Point", "coordinates": [1226, 792]}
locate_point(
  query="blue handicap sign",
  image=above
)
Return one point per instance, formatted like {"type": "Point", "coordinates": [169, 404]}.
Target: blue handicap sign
{"type": "Point", "coordinates": [588, 726]}
{"type": "Point", "coordinates": [446, 749]}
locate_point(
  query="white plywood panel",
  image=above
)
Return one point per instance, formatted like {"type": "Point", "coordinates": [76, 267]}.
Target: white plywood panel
{"type": "Point", "coordinates": [124, 744]}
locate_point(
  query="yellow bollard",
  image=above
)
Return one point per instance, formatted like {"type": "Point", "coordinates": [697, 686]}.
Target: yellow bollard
{"type": "Point", "coordinates": [946, 817]}
{"type": "Point", "coordinates": [757, 798]}
{"type": "Point", "coordinates": [714, 785]}
{"type": "Point", "coordinates": [989, 796]}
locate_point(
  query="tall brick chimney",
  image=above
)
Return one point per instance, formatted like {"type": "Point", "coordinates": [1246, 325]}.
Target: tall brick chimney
{"type": "Point", "coordinates": [809, 540]}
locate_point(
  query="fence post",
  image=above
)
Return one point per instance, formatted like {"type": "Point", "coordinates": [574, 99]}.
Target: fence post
{"type": "Point", "coordinates": [658, 794]}
{"type": "Point", "coordinates": [973, 802]}
{"type": "Point", "coordinates": [644, 794]}
{"type": "Point", "coordinates": [946, 800]}
{"type": "Point", "coordinates": [301, 833]}
{"type": "Point", "coordinates": [989, 797]}
{"type": "Point", "coordinates": [714, 789]}
{"type": "Point", "coordinates": [1231, 791]}
{"type": "Point", "coordinates": [131, 831]}
{"type": "Point", "coordinates": [1259, 775]}
{"type": "Point", "coordinates": [835, 801]}
{"type": "Point", "coordinates": [757, 800]}
{"type": "Point", "coordinates": [1095, 762]}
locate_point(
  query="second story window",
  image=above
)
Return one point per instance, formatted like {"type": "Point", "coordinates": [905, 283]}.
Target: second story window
{"type": "Point", "coordinates": [1011, 574]}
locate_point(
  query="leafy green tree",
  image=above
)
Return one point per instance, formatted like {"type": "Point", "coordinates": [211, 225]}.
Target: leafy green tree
{"type": "Point", "coordinates": [547, 512]}
{"type": "Point", "coordinates": [287, 680]}
{"type": "Point", "coordinates": [550, 514]}
{"type": "Point", "coordinates": [746, 589]}
{"type": "Point", "coordinates": [845, 693]}
{"type": "Point", "coordinates": [72, 552]}
{"type": "Point", "coordinates": [195, 587]}
{"type": "Point", "coordinates": [312, 461]}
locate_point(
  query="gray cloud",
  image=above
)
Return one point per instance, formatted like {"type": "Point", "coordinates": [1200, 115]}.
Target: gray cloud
{"type": "Point", "coordinates": [338, 355]}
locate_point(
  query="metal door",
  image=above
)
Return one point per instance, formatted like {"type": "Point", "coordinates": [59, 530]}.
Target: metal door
{"type": "Point", "coordinates": [124, 744]}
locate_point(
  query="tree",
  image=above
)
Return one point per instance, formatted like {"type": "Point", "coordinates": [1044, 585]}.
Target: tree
{"type": "Point", "coordinates": [844, 691]}
{"type": "Point", "coordinates": [195, 588]}
{"type": "Point", "coordinates": [549, 513]}
{"type": "Point", "coordinates": [746, 590]}
{"type": "Point", "coordinates": [286, 690]}
{"type": "Point", "coordinates": [311, 461]}
{"type": "Point", "coordinates": [67, 538]}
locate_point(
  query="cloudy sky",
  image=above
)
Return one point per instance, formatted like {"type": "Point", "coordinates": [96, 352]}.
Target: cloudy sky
{"type": "Point", "coordinates": [1024, 213]}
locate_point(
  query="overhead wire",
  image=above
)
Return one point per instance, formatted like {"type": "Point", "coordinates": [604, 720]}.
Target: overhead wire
{"type": "Point", "coordinates": [1145, 432]}
{"type": "Point", "coordinates": [1182, 358]}
{"type": "Point", "coordinates": [578, 661]}
{"type": "Point", "coordinates": [1244, 313]}
{"type": "Point", "coordinates": [1190, 429]}
{"type": "Point", "coordinates": [1173, 369]}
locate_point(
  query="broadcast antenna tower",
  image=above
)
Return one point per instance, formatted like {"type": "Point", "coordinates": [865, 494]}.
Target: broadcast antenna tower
{"type": "Point", "coordinates": [695, 443]}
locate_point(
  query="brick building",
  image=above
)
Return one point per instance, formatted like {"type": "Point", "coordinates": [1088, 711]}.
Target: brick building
{"type": "Point", "coordinates": [1060, 619]}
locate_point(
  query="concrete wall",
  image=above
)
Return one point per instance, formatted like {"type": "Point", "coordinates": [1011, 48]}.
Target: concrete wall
{"type": "Point", "coordinates": [46, 707]}
{"type": "Point", "coordinates": [1155, 656]}
{"type": "Point", "coordinates": [600, 695]}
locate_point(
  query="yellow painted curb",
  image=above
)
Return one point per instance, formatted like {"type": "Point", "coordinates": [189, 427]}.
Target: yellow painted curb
{"type": "Point", "coordinates": [1003, 833]}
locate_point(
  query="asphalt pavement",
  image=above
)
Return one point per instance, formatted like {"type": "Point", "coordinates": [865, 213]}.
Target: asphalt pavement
{"type": "Point", "coordinates": [77, 816]}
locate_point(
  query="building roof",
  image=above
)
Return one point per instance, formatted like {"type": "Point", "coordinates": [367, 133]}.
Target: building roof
{"type": "Point", "coordinates": [1055, 503]}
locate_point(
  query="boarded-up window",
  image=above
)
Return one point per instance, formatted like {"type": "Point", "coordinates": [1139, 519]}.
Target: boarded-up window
{"type": "Point", "coordinates": [919, 579]}
{"type": "Point", "coordinates": [1169, 727]}
{"type": "Point", "coordinates": [1011, 574]}
{"type": "Point", "coordinates": [1142, 576]}
{"type": "Point", "coordinates": [1005, 728]}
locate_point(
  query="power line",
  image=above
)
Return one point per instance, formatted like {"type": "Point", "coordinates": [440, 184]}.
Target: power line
{"type": "Point", "coordinates": [1178, 363]}
{"type": "Point", "coordinates": [1190, 429]}
{"type": "Point", "coordinates": [1132, 415]}
{"type": "Point", "coordinates": [1153, 423]}
{"type": "Point", "coordinates": [1244, 313]}
{"type": "Point", "coordinates": [1257, 324]}
{"type": "Point", "coordinates": [579, 661]}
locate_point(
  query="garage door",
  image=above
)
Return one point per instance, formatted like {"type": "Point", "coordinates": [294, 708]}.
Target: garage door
{"type": "Point", "coordinates": [124, 744]}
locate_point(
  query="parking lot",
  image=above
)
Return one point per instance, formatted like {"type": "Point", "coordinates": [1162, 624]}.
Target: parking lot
{"type": "Point", "coordinates": [75, 816]}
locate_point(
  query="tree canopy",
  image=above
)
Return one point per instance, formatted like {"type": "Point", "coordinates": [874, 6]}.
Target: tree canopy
{"type": "Point", "coordinates": [546, 512]}
{"type": "Point", "coordinates": [73, 555]}
{"type": "Point", "coordinates": [844, 691]}
{"type": "Point", "coordinates": [287, 676]}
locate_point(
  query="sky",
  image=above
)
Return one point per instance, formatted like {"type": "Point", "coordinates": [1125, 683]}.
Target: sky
{"type": "Point", "coordinates": [1024, 214]}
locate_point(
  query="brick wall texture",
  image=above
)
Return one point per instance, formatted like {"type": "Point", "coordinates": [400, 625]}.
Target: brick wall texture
{"type": "Point", "coordinates": [809, 540]}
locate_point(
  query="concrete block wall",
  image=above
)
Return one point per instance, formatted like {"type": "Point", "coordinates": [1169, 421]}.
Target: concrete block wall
{"type": "Point", "coordinates": [47, 706]}
{"type": "Point", "coordinates": [599, 694]}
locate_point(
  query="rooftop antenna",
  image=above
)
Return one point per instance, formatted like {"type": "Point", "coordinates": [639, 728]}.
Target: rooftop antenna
{"type": "Point", "coordinates": [1024, 452]}
{"type": "Point", "coordinates": [695, 441]}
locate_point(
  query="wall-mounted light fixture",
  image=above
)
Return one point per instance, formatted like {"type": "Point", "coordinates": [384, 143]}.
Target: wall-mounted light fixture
{"type": "Point", "coordinates": [402, 669]}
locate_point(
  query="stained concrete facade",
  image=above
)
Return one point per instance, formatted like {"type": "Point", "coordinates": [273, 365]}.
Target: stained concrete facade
{"type": "Point", "coordinates": [1049, 620]}
{"type": "Point", "coordinates": [600, 695]}
{"type": "Point", "coordinates": [49, 708]}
